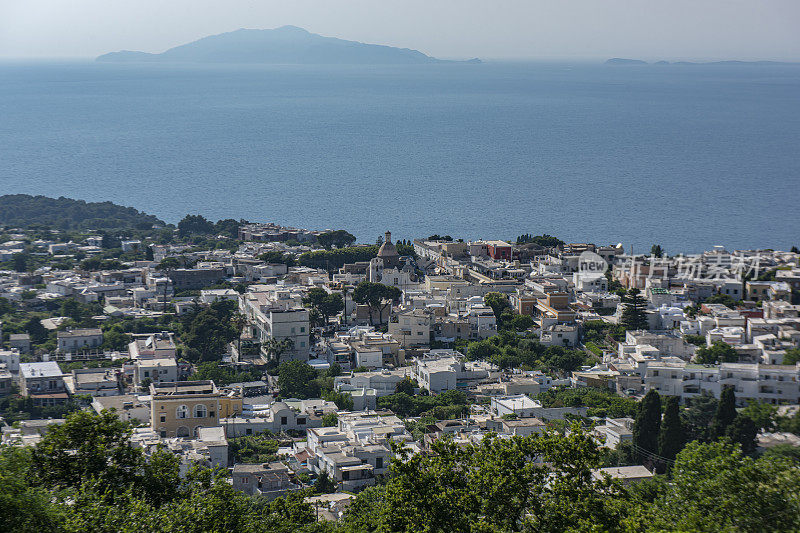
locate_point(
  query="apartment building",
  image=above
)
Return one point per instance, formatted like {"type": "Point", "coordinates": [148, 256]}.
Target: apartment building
{"type": "Point", "coordinates": [356, 451]}
{"type": "Point", "coordinates": [412, 328]}
{"type": "Point", "coordinates": [276, 312]}
{"type": "Point", "coordinates": [752, 382]}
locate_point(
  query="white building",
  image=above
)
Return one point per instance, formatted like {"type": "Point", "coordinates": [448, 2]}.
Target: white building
{"type": "Point", "coordinates": [276, 312]}
{"type": "Point", "coordinates": [442, 370]}
{"type": "Point", "coordinates": [764, 383]}
{"type": "Point", "coordinates": [76, 340]}
{"type": "Point", "coordinates": [519, 405]}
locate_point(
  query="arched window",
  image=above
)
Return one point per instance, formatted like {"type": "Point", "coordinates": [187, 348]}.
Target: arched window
{"type": "Point", "coordinates": [182, 412]}
{"type": "Point", "coordinates": [197, 431]}
{"type": "Point", "coordinates": [182, 431]}
{"type": "Point", "coordinates": [200, 411]}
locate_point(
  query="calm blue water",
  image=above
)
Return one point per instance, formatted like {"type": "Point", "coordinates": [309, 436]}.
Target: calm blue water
{"type": "Point", "coordinates": [685, 156]}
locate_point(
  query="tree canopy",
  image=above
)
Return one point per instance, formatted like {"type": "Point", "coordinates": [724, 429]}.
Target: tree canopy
{"type": "Point", "coordinates": [339, 238]}
{"type": "Point", "coordinates": [23, 210]}
{"type": "Point", "coordinates": [719, 352]}
{"type": "Point", "coordinates": [376, 296]}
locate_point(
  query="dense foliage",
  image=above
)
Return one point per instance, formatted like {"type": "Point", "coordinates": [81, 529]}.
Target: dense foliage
{"type": "Point", "coordinates": [334, 259]}
{"type": "Point", "coordinates": [23, 210]}
{"type": "Point", "coordinates": [206, 331]}
{"type": "Point", "coordinates": [449, 404]}
{"type": "Point", "coordinates": [510, 350]}
{"type": "Point", "coordinates": [719, 352]}
{"type": "Point", "coordinates": [86, 475]}
{"type": "Point", "coordinates": [224, 375]}
{"type": "Point", "coordinates": [547, 241]}
{"type": "Point", "coordinates": [601, 403]}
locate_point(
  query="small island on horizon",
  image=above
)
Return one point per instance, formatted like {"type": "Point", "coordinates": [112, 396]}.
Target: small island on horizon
{"type": "Point", "coordinates": [285, 45]}
{"type": "Point", "coordinates": [622, 61]}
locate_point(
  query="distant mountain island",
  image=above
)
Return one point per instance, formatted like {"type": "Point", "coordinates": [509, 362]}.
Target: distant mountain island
{"type": "Point", "coordinates": [284, 45]}
{"type": "Point", "coordinates": [625, 61]}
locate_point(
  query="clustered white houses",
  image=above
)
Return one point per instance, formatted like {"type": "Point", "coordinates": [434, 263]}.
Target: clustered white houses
{"type": "Point", "coordinates": [446, 295]}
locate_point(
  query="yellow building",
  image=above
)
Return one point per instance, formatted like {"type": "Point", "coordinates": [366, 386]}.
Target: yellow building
{"type": "Point", "coordinates": [179, 409]}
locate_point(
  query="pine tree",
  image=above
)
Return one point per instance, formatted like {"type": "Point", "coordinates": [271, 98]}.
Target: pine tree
{"type": "Point", "coordinates": [633, 316]}
{"type": "Point", "coordinates": [672, 436]}
{"type": "Point", "coordinates": [647, 425]}
{"type": "Point", "coordinates": [656, 251]}
{"type": "Point", "coordinates": [726, 413]}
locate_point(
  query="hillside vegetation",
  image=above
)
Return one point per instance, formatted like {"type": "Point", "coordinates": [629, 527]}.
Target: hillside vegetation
{"type": "Point", "coordinates": [24, 210]}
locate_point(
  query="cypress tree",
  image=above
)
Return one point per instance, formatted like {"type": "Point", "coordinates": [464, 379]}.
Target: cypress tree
{"type": "Point", "coordinates": [633, 316]}
{"type": "Point", "coordinates": [744, 432]}
{"type": "Point", "coordinates": [726, 413]}
{"type": "Point", "coordinates": [672, 436]}
{"type": "Point", "coordinates": [647, 425]}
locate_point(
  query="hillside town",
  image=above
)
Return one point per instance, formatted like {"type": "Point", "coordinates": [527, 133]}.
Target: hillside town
{"type": "Point", "coordinates": [290, 359]}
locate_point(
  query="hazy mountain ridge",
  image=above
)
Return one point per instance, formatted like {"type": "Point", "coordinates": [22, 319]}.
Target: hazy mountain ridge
{"type": "Point", "coordinates": [284, 45]}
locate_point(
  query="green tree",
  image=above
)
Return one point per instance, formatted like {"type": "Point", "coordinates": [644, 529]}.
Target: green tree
{"type": "Point", "coordinates": [339, 239]}
{"type": "Point", "coordinates": [481, 350]}
{"type": "Point", "coordinates": [115, 339]}
{"type": "Point", "coordinates": [168, 264]}
{"type": "Point", "coordinates": [672, 437]}
{"type": "Point", "coordinates": [207, 336]}
{"type": "Point", "coordinates": [698, 415]}
{"type": "Point", "coordinates": [324, 484]}
{"type": "Point", "coordinates": [343, 400]}
{"type": "Point", "coordinates": [713, 487]}
{"type": "Point", "coordinates": [792, 356]}
{"type": "Point", "coordinates": [228, 227]}
{"type": "Point", "coordinates": [20, 262]}
{"type": "Point", "coordinates": [278, 258]}
{"type": "Point", "coordinates": [405, 385]}
{"type": "Point", "coordinates": [23, 507]}
{"type": "Point", "coordinates": [239, 322]}
{"type": "Point", "coordinates": [726, 413]}
{"type": "Point", "coordinates": [743, 431]}
{"type": "Point", "coordinates": [633, 315]}
{"type": "Point", "coordinates": [521, 322]}
{"type": "Point", "coordinates": [275, 348]}
{"type": "Point", "coordinates": [762, 414]}
{"type": "Point", "coordinates": [377, 297]}
{"type": "Point", "coordinates": [194, 224]}
{"type": "Point", "coordinates": [325, 304]}
{"type": "Point", "coordinates": [647, 425]}
{"type": "Point", "coordinates": [656, 251]}
{"type": "Point", "coordinates": [499, 303]}
{"type": "Point", "coordinates": [33, 327]}
{"type": "Point", "coordinates": [719, 352]}
{"type": "Point", "coordinates": [88, 446]}
{"type": "Point", "coordinates": [330, 420]}
{"type": "Point", "coordinates": [296, 380]}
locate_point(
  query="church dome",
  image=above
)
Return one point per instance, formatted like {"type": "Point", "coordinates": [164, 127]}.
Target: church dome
{"type": "Point", "coordinates": [388, 251]}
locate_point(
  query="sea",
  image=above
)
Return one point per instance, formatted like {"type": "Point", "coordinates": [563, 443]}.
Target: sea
{"type": "Point", "coordinates": [687, 156]}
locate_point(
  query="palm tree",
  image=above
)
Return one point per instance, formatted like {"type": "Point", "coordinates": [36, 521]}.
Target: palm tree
{"type": "Point", "coordinates": [275, 348]}
{"type": "Point", "coordinates": [239, 322]}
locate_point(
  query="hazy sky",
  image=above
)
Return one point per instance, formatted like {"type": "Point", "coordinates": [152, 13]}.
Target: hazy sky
{"type": "Point", "coordinates": [650, 29]}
